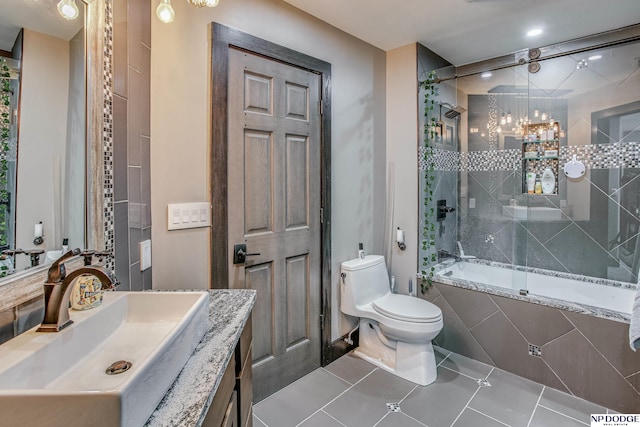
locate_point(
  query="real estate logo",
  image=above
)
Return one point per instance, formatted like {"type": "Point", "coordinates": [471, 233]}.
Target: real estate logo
{"type": "Point", "coordinates": [615, 420]}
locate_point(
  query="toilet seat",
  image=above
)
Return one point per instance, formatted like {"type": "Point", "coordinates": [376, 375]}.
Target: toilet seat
{"type": "Point", "coordinates": [407, 309]}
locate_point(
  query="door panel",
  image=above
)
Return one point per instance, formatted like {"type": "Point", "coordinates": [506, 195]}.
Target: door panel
{"type": "Point", "coordinates": [297, 98]}
{"type": "Point", "coordinates": [297, 300]}
{"type": "Point", "coordinates": [258, 96]}
{"type": "Point", "coordinates": [258, 182]}
{"type": "Point", "coordinates": [274, 207]}
{"type": "Point", "coordinates": [297, 181]}
{"type": "Point", "coordinates": [260, 279]}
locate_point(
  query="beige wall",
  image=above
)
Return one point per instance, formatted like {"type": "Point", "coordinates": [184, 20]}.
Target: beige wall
{"type": "Point", "coordinates": [43, 132]}
{"type": "Point", "coordinates": [180, 94]}
{"type": "Point", "coordinates": [402, 161]}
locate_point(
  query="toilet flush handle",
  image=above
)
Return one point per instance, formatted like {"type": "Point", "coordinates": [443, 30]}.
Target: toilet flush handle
{"type": "Point", "coordinates": [343, 275]}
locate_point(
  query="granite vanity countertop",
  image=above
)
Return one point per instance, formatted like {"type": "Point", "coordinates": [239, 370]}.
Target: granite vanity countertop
{"type": "Point", "coordinates": [188, 400]}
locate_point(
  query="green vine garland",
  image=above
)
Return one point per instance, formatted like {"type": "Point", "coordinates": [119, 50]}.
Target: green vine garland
{"type": "Point", "coordinates": [5, 138]}
{"type": "Point", "coordinates": [429, 225]}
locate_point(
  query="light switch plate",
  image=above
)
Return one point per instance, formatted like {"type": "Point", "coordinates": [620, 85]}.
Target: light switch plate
{"type": "Point", "coordinates": [145, 254]}
{"type": "Point", "coordinates": [188, 215]}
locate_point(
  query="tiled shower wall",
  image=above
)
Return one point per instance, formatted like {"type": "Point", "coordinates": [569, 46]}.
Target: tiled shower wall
{"type": "Point", "coordinates": [586, 356]}
{"type": "Point", "coordinates": [593, 209]}
{"type": "Point", "coordinates": [132, 139]}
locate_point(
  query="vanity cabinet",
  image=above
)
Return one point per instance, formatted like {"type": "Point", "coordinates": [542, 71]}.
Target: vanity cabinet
{"type": "Point", "coordinates": [540, 150]}
{"type": "Point", "coordinates": [244, 377]}
{"type": "Point", "coordinates": [231, 406]}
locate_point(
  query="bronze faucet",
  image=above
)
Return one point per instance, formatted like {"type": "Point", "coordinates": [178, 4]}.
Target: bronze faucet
{"type": "Point", "coordinates": [57, 291]}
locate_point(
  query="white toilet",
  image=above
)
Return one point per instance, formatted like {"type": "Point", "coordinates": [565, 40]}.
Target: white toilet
{"type": "Point", "coordinates": [395, 330]}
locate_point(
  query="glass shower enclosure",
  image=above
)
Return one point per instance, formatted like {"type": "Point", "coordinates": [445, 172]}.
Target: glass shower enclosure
{"type": "Point", "coordinates": [527, 117]}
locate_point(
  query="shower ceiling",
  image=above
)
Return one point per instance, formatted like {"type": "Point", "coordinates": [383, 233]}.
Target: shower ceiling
{"type": "Point", "coordinates": [463, 31]}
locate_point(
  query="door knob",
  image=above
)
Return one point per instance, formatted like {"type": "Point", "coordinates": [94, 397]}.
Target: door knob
{"type": "Point", "coordinates": [240, 253]}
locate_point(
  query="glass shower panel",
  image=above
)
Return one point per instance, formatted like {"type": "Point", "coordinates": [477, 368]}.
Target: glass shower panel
{"type": "Point", "coordinates": [438, 183]}
{"type": "Point", "coordinates": [588, 226]}
{"type": "Point", "coordinates": [496, 207]}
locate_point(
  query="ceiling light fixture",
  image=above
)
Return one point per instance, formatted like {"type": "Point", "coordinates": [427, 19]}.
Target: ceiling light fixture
{"type": "Point", "coordinates": [534, 32]}
{"type": "Point", "coordinates": [595, 57]}
{"type": "Point", "coordinates": [68, 9]}
{"type": "Point", "coordinates": [165, 11]}
{"type": "Point", "coordinates": [486, 75]}
{"type": "Point", "coordinates": [203, 3]}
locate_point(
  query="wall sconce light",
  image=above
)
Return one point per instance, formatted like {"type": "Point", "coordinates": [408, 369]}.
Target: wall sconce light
{"type": "Point", "coordinates": [509, 118]}
{"type": "Point", "coordinates": [166, 13]}
{"type": "Point", "coordinates": [536, 113]}
{"type": "Point", "coordinates": [68, 9]}
{"type": "Point", "coordinates": [544, 117]}
{"type": "Point", "coordinates": [503, 120]}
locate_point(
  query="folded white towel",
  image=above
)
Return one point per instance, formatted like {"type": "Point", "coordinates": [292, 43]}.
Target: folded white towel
{"type": "Point", "coordinates": [634, 326]}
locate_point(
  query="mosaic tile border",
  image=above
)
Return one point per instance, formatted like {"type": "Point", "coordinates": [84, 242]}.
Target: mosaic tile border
{"type": "Point", "coordinates": [107, 135]}
{"type": "Point", "coordinates": [595, 156]}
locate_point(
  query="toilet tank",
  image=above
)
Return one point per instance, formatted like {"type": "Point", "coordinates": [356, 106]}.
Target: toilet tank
{"type": "Point", "coordinates": [365, 280]}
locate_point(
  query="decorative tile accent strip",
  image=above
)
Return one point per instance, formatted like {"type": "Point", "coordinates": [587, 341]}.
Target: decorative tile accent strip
{"type": "Point", "coordinates": [604, 156]}
{"type": "Point", "coordinates": [599, 156]}
{"type": "Point", "coordinates": [494, 160]}
{"type": "Point", "coordinates": [107, 136]}
{"type": "Point", "coordinates": [444, 160]}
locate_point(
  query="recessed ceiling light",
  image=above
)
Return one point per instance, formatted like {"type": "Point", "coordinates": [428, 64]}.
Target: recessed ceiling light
{"type": "Point", "coordinates": [534, 32]}
{"type": "Point", "coordinates": [486, 75]}
{"type": "Point", "coordinates": [595, 57]}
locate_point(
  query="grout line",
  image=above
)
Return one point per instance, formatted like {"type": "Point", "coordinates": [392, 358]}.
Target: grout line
{"type": "Point", "coordinates": [445, 358]}
{"type": "Point", "coordinates": [558, 377]}
{"type": "Point", "coordinates": [460, 373]}
{"type": "Point", "coordinates": [467, 404]}
{"type": "Point", "coordinates": [605, 358]}
{"type": "Point", "coordinates": [380, 420]}
{"type": "Point", "coordinates": [632, 374]}
{"type": "Point", "coordinates": [418, 421]}
{"type": "Point", "coordinates": [337, 376]}
{"type": "Point", "coordinates": [497, 309]}
{"type": "Point", "coordinates": [258, 418]}
{"type": "Point", "coordinates": [332, 417]}
{"type": "Point", "coordinates": [536, 406]}
{"type": "Point", "coordinates": [485, 415]}
{"type": "Point", "coordinates": [557, 338]}
{"type": "Point", "coordinates": [468, 330]}
{"type": "Point", "coordinates": [564, 415]}
{"type": "Point", "coordinates": [407, 395]}
{"type": "Point", "coordinates": [332, 400]}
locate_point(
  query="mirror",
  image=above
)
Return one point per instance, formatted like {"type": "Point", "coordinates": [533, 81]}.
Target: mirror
{"type": "Point", "coordinates": [47, 131]}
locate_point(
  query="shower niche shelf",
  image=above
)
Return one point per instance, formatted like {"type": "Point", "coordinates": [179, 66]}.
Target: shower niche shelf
{"type": "Point", "coordinates": [540, 150]}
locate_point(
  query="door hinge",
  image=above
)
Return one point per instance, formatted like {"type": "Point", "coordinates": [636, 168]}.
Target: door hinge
{"type": "Point", "coordinates": [322, 321]}
{"type": "Point", "coordinates": [321, 215]}
{"type": "Point", "coordinates": [321, 107]}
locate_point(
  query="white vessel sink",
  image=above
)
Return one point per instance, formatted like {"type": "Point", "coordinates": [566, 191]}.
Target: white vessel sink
{"type": "Point", "coordinates": [536, 213]}
{"type": "Point", "coordinates": [59, 379]}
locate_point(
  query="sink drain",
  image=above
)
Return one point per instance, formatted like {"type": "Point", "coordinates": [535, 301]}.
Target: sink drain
{"type": "Point", "coordinates": [118, 367]}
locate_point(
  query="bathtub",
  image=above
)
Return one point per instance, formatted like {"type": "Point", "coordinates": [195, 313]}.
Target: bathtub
{"type": "Point", "coordinates": [603, 298]}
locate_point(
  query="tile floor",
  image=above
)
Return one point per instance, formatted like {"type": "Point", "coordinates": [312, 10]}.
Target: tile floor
{"type": "Point", "coordinates": [353, 393]}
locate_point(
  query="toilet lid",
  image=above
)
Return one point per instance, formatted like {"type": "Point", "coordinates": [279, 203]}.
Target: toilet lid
{"type": "Point", "coordinates": [409, 309]}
